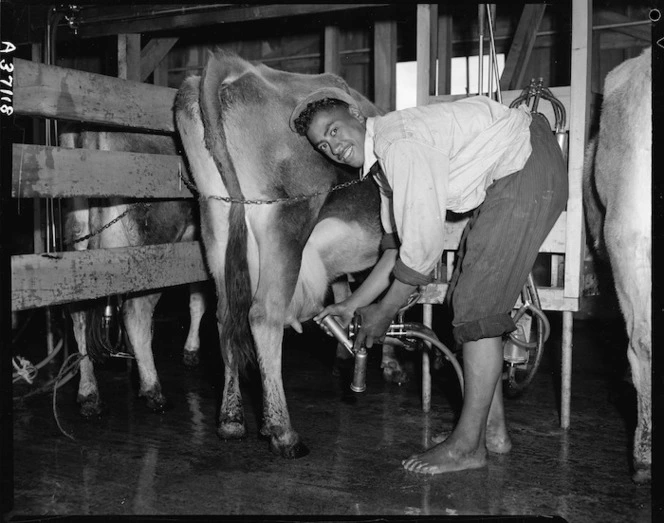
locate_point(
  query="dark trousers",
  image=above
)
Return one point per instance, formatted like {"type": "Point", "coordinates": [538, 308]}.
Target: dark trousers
{"type": "Point", "coordinates": [503, 237]}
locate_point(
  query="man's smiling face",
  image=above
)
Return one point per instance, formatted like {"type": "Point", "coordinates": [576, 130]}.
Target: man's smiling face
{"type": "Point", "coordinates": [338, 133]}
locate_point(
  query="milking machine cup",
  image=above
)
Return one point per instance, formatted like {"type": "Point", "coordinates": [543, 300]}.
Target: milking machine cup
{"type": "Point", "coordinates": [360, 370]}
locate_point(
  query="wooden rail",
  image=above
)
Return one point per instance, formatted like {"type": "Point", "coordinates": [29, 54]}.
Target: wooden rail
{"type": "Point", "coordinates": [55, 92]}
{"type": "Point", "coordinates": [58, 172]}
{"type": "Point", "coordinates": [38, 171]}
{"type": "Point", "coordinates": [39, 280]}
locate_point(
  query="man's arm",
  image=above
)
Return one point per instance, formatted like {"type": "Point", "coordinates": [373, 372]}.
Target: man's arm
{"type": "Point", "coordinates": [377, 281]}
{"type": "Point", "coordinates": [419, 177]}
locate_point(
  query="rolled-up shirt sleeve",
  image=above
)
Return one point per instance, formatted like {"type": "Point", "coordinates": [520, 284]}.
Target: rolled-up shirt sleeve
{"type": "Point", "coordinates": [419, 177]}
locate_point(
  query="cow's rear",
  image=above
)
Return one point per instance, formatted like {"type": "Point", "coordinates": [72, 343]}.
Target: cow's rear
{"type": "Point", "coordinates": [618, 209]}
{"type": "Point", "coordinates": [272, 254]}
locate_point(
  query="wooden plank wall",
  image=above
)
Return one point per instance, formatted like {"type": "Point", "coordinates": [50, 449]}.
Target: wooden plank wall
{"type": "Point", "coordinates": [40, 280]}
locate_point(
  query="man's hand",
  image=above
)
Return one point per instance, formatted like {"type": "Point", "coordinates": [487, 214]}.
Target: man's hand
{"type": "Point", "coordinates": [375, 322]}
{"type": "Point", "coordinates": [342, 311]}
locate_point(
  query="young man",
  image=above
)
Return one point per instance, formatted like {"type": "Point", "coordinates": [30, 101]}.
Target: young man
{"type": "Point", "coordinates": [471, 154]}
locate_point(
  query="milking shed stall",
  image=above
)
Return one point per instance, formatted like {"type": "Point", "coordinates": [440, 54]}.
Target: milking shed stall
{"type": "Point", "coordinates": [571, 409]}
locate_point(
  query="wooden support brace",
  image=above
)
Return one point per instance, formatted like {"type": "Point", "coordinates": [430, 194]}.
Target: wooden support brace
{"type": "Point", "coordinates": [153, 53]}
{"type": "Point", "coordinates": [522, 45]}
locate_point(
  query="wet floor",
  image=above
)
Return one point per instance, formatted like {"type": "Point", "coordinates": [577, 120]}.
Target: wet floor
{"type": "Point", "coordinates": [136, 462]}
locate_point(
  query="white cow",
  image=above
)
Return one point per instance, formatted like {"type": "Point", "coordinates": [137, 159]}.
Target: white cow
{"type": "Point", "coordinates": [617, 194]}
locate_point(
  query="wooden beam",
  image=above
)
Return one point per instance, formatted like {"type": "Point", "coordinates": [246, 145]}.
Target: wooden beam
{"type": "Point", "coordinates": [640, 32]}
{"type": "Point", "coordinates": [332, 58]}
{"type": "Point", "coordinates": [554, 243]}
{"type": "Point", "coordinates": [129, 56]}
{"type": "Point", "coordinates": [56, 92]}
{"type": "Point", "coordinates": [433, 47]}
{"type": "Point", "coordinates": [385, 64]}
{"type": "Point", "coordinates": [58, 172]}
{"type": "Point", "coordinates": [423, 53]}
{"type": "Point", "coordinates": [177, 20]}
{"type": "Point", "coordinates": [551, 298]}
{"type": "Point", "coordinates": [578, 131]}
{"type": "Point", "coordinates": [522, 44]}
{"type": "Point", "coordinates": [153, 53]}
{"type": "Point", "coordinates": [444, 53]}
{"type": "Point", "coordinates": [44, 280]}
{"type": "Point", "coordinates": [562, 93]}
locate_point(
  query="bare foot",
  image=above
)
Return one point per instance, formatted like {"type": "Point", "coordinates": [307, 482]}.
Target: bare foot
{"type": "Point", "coordinates": [497, 441]}
{"type": "Point", "coordinates": [445, 458]}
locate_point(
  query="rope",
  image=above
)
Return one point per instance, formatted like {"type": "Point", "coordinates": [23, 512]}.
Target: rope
{"type": "Point", "coordinates": [23, 369]}
{"type": "Point", "coordinates": [65, 371]}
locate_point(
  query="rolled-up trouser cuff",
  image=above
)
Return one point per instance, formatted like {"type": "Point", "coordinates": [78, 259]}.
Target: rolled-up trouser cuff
{"type": "Point", "coordinates": [489, 327]}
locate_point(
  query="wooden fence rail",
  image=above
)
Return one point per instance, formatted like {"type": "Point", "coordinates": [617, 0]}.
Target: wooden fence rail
{"type": "Point", "coordinates": [40, 280]}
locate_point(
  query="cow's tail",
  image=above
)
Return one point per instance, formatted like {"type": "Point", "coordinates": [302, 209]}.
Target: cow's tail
{"type": "Point", "coordinates": [234, 318]}
{"type": "Point", "coordinates": [594, 210]}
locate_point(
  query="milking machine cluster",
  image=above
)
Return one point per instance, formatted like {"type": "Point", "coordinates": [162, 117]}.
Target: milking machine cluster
{"type": "Point", "coordinates": [522, 349]}
{"type": "Point", "coordinates": [408, 334]}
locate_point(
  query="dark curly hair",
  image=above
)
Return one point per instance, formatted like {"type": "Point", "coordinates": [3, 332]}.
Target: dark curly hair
{"type": "Point", "coordinates": [303, 121]}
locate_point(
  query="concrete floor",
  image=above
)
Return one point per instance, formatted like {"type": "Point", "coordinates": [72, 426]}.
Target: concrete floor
{"type": "Point", "coordinates": [136, 462]}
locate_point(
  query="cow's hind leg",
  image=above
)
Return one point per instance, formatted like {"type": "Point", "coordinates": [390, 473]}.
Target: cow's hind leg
{"type": "Point", "coordinates": [89, 402]}
{"type": "Point", "coordinates": [279, 262]}
{"type": "Point", "coordinates": [629, 251]}
{"type": "Point", "coordinates": [267, 326]}
{"type": "Point", "coordinates": [196, 310]}
{"type": "Point", "coordinates": [137, 314]}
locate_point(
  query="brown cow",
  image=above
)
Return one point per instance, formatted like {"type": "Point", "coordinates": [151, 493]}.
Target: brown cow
{"type": "Point", "coordinates": [617, 197]}
{"type": "Point", "coordinates": [272, 262]}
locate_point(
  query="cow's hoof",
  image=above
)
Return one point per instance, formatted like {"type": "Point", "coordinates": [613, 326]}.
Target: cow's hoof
{"type": "Point", "coordinates": [91, 407]}
{"type": "Point", "coordinates": [393, 373]}
{"type": "Point", "coordinates": [297, 450]}
{"type": "Point", "coordinates": [231, 430]}
{"type": "Point", "coordinates": [642, 475]}
{"type": "Point", "coordinates": [190, 358]}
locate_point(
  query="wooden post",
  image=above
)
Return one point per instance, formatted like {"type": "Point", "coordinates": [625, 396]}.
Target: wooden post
{"type": "Point", "coordinates": [444, 53]}
{"type": "Point", "coordinates": [37, 131]}
{"type": "Point", "coordinates": [433, 48]}
{"type": "Point", "coordinates": [129, 56]}
{"type": "Point", "coordinates": [575, 236]}
{"type": "Point", "coordinates": [385, 65]}
{"type": "Point", "coordinates": [332, 58]}
{"type": "Point", "coordinates": [427, 319]}
{"type": "Point", "coordinates": [423, 53]}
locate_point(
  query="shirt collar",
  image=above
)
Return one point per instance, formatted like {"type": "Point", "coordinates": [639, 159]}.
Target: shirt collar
{"type": "Point", "coordinates": [369, 156]}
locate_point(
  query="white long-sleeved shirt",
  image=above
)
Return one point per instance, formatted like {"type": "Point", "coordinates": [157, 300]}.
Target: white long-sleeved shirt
{"type": "Point", "coordinates": [438, 157]}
